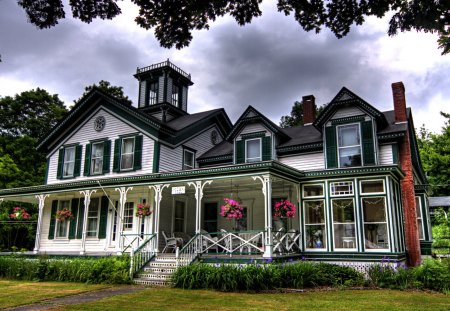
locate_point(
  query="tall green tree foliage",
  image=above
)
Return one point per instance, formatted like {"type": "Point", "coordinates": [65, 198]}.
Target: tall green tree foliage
{"type": "Point", "coordinates": [174, 21]}
{"type": "Point", "coordinates": [435, 156]}
{"type": "Point", "coordinates": [105, 86]}
{"type": "Point", "coordinates": [296, 116]}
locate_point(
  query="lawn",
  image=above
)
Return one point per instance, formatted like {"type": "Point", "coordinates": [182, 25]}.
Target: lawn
{"type": "Point", "coordinates": [16, 293]}
{"type": "Point", "coordinates": [20, 292]}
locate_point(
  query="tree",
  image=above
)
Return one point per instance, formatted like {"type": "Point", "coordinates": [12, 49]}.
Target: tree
{"type": "Point", "coordinates": [174, 21]}
{"type": "Point", "coordinates": [296, 117]}
{"type": "Point", "coordinates": [435, 156]}
{"type": "Point", "coordinates": [105, 86]}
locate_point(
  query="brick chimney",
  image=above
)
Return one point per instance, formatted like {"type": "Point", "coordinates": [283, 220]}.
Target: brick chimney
{"type": "Point", "coordinates": [309, 109]}
{"type": "Point", "coordinates": [407, 183]}
{"type": "Point", "coordinates": [398, 93]}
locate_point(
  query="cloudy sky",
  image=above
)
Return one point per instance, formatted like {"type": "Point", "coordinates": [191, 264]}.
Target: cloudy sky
{"type": "Point", "coordinates": [268, 64]}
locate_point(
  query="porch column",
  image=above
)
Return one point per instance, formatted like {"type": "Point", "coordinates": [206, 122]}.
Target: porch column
{"type": "Point", "coordinates": [41, 198]}
{"type": "Point", "coordinates": [122, 200]}
{"type": "Point", "coordinates": [157, 189]}
{"type": "Point", "coordinates": [198, 197]}
{"type": "Point", "coordinates": [266, 181]}
{"type": "Point", "coordinates": [87, 200]}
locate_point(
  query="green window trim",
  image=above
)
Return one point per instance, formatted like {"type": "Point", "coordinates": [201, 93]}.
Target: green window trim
{"type": "Point", "coordinates": [77, 162]}
{"type": "Point", "coordinates": [106, 158]}
{"type": "Point", "coordinates": [265, 148]}
{"type": "Point", "coordinates": [51, 230]}
{"type": "Point", "coordinates": [137, 156]}
{"type": "Point", "coordinates": [73, 223]}
{"type": "Point", "coordinates": [103, 217]}
{"type": "Point", "coordinates": [81, 211]}
{"type": "Point", "coordinates": [156, 155]}
{"type": "Point", "coordinates": [368, 149]}
{"type": "Point", "coordinates": [331, 147]}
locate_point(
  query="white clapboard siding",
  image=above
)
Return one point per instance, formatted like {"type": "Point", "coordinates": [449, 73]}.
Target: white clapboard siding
{"type": "Point", "coordinates": [202, 143]}
{"type": "Point", "coordinates": [113, 128]}
{"type": "Point", "coordinates": [347, 112]}
{"type": "Point", "coordinates": [386, 156]}
{"type": "Point", "coordinates": [170, 159]}
{"type": "Point", "coordinates": [304, 162]}
{"type": "Point", "coordinates": [161, 89]}
{"type": "Point", "coordinates": [254, 128]}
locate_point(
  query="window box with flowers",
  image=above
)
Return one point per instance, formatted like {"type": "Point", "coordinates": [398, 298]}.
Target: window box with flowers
{"type": "Point", "coordinates": [19, 214]}
{"type": "Point", "coordinates": [63, 215]}
{"type": "Point", "coordinates": [143, 210]}
{"type": "Point", "coordinates": [232, 209]}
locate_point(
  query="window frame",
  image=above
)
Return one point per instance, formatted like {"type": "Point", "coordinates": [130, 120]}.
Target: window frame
{"type": "Point", "coordinates": [175, 96]}
{"type": "Point", "coordinates": [323, 224]}
{"type": "Point", "coordinates": [128, 216]}
{"type": "Point", "coordinates": [66, 222]}
{"type": "Point", "coordinates": [313, 196]}
{"type": "Point", "coordinates": [186, 166]}
{"type": "Point", "coordinates": [338, 147]}
{"type": "Point", "coordinates": [65, 162]}
{"type": "Point", "coordinates": [259, 158]}
{"type": "Point", "coordinates": [153, 100]}
{"type": "Point", "coordinates": [133, 138]}
{"type": "Point", "coordinates": [418, 202]}
{"type": "Point", "coordinates": [353, 239]}
{"type": "Point", "coordinates": [90, 218]}
{"type": "Point", "coordinates": [371, 193]}
{"type": "Point", "coordinates": [385, 222]}
{"type": "Point", "coordinates": [94, 158]}
{"type": "Point", "coordinates": [341, 182]}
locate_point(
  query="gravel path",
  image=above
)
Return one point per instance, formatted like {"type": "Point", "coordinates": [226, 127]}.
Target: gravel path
{"type": "Point", "coordinates": [79, 298]}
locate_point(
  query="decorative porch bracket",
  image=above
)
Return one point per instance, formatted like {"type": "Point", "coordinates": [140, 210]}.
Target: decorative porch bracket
{"type": "Point", "coordinates": [122, 200]}
{"type": "Point", "coordinates": [266, 181]}
{"type": "Point", "coordinates": [198, 197]}
{"type": "Point", "coordinates": [158, 189]}
{"type": "Point", "coordinates": [41, 198]}
{"type": "Point", "coordinates": [87, 200]}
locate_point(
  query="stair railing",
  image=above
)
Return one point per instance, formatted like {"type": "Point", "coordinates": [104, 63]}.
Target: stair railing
{"type": "Point", "coordinates": [141, 255]}
{"type": "Point", "coordinates": [189, 252]}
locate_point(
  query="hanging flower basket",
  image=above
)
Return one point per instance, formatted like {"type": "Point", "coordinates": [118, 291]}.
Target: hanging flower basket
{"type": "Point", "coordinates": [19, 214]}
{"type": "Point", "coordinates": [64, 214]}
{"type": "Point", "coordinates": [231, 209]}
{"type": "Point", "coordinates": [143, 210]}
{"type": "Point", "coordinates": [283, 209]}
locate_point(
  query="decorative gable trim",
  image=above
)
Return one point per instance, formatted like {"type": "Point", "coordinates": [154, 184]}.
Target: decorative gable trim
{"type": "Point", "coordinates": [347, 120]}
{"type": "Point", "coordinates": [253, 135]}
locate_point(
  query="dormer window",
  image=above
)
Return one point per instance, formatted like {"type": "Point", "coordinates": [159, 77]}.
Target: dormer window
{"type": "Point", "coordinates": [153, 93]}
{"type": "Point", "coordinates": [253, 150]}
{"type": "Point", "coordinates": [349, 145]}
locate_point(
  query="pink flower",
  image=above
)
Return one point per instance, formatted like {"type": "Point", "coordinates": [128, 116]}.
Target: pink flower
{"type": "Point", "coordinates": [284, 208]}
{"type": "Point", "coordinates": [231, 209]}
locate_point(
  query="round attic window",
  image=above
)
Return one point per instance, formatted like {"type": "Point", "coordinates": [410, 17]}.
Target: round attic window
{"type": "Point", "coordinates": [99, 123]}
{"type": "Point", "coordinates": [214, 137]}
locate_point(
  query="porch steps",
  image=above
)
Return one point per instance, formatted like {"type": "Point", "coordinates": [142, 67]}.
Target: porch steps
{"type": "Point", "coordinates": [158, 271]}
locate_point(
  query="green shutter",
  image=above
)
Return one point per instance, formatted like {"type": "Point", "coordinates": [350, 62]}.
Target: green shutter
{"type": "Point", "coordinates": [77, 168]}
{"type": "Point", "coordinates": [103, 217]}
{"type": "Point", "coordinates": [240, 151]}
{"type": "Point", "coordinates": [60, 163]}
{"type": "Point", "coordinates": [331, 148]}
{"type": "Point", "coordinates": [395, 154]}
{"type": "Point", "coordinates": [73, 222]}
{"type": "Point", "coordinates": [106, 156]}
{"type": "Point", "coordinates": [51, 230]}
{"type": "Point", "coordinates": [116, 164]}
{"type": "Point", "coordinates": [267, 148]}
{"type": "Point", "coordinates": [156, 153]}
{"type": "Point", "coordinates": [87, 160]}
{"type": "Point", "coordinates": [80, 220]}
{"type": "Point", "coordinates": [137, 153]}
{"type": "Point", "coordinates": [367, 143]}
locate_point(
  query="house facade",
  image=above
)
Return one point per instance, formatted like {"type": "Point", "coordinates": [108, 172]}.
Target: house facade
{"type": "Point", "coordinates": [353, 173]}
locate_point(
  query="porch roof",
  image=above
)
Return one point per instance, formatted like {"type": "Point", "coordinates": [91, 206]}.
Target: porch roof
{"type": "Point", "coordinates": [266, 167]}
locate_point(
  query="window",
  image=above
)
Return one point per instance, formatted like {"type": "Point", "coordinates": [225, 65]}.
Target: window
{"type": "Point", "coordinates": [128, 216]}
{"type": "Point", "coordinates": [62, 227]}
{"type": "Point", "coordinates": [341, 188]}
{"type": "Point", "coordinates": [372, 186]}
{"type": "Point", "coordinates": [349, 145]}
{"type": "Point", "coordinates": [314, 215]}
{"type": "Point", "coordinates": [69, 162]}
{"type": "Point", "coordinates": [375, 224]}
{"type": "Point", "coordinates": [93, 218]}
{"type": "Point", "coordinates": [312, 190]}
{"type": "Point", "coordinates": [153, 93]}
{"type": "Point", "coordinates": [253, 150]}
{"type": "Point", "coordinates": [419, 218]}
{"type": "Point", "coordinates": [344, 223]}
{"type": "Point", "coordinates": [179, 216]}
{"type": "Point", "coordinates": [97, 158]}
{"type": "Point", "coordinates": [175, 95]}
{"type": "Point", "coordinates": [188, 160]}
{"type": "Point", "coordinates": [127, 154]}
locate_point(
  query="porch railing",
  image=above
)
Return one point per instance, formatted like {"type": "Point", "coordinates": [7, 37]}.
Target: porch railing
{"type": "Point", "coordinates": [141, 255]}
{"type": "Point", "coordinates": [189, 251]}
{"type": "Point", "coordinates": [286, 242]}
{"type": "Point", "coordinates": [132, 240]}
{"type": "Point", "coordinates": [242, 242]}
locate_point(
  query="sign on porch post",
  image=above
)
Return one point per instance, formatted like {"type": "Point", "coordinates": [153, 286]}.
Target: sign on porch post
{"type": "Point", "coordinates": [179, 190]}
{"type": "Point", "coordinates": [41, 198]}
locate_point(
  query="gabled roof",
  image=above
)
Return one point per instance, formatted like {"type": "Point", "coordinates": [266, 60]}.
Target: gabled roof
{"type": "Point", "coordinates": [345, 98]}
{"type": "Point", "coordinates": [172, 134]}
{"type": "Point", "coordinates": [251, 115]}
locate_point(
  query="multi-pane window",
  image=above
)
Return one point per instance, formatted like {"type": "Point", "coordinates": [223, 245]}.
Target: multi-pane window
{"type": "Point", "coordinates": [62, 227]}
{"type": "Point", "coordinates": [419, 218]}
{"type": "Point", "coordinates": [344, 223]}
{"type": "Point", "coordinates": [179, 216]}
{"type": "Point", "coordinates": [128, 216]}
{"type": "Point", "coordinates": [93, 218]}
{"type": "Point", "coordinates": [188, 160]}
{"type": "Point", "coordinates": [349, 145]}
{"type": "Point", "coordinates": [97, 158]}
{"type": "Point", "coordinates": [253, 150]}
{"type": "Point", "coordinates": [341, 188]}
{"type": "Point", "coordinates": [375, 223]}
{"type": "Point", "coordinates": [315, 217]}
{"type": "Point", "coordinates": [69, 161]}
{"type": "Point", "coordinates": [127, 154]}
{"type": "Point", "coordinates": [153, 93]}
{"type": "Point", "coordinates": [175, 95]}
{"type": "Point", "coordinates": [372, 186]}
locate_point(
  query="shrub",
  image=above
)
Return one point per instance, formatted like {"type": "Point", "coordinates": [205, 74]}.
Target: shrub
{"type": "Point", "coordinates": [434, 274]}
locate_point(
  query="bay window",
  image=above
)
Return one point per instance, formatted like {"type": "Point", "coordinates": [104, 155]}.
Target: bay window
{"type": "Point", "coordinates": [344, 223]}
{"type": "Point", "coordinates": [315, 217]}
{"type": "Point", "coordinates": [375, 223]}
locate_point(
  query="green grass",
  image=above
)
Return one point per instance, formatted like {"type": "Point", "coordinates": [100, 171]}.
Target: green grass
{"type": "Point", "coordinates": [17, 293]}
{"type": "Point", "coordinates": [178, 299]}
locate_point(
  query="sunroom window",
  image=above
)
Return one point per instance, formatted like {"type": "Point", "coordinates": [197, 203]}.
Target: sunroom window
{"type": "Point", "coordinates": [253, 150]}
{"type": "Point", "coordinates": [349, 145]}
{"type": "Point", "coordinates": [315, 217]}
{"type": "Point", "coordinates": [375, 223]}
{"type": "Point", "coordinates": [69, 161]}
{"type": "Point", "coordinates": [344, 223]}
{"type": "Point", "coordinates": [97, 158]}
